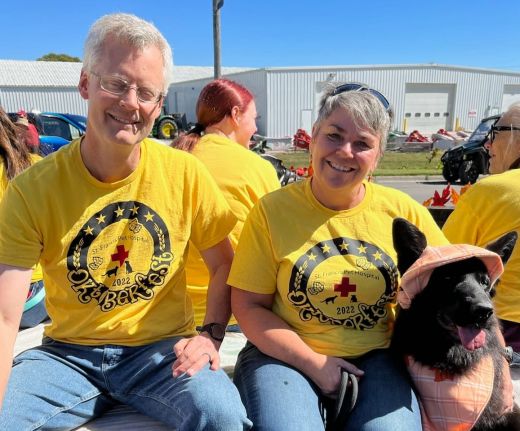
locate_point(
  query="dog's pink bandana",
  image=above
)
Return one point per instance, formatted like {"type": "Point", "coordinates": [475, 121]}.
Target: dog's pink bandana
{"type": "Point", "coordinates": [452, 403]}
{"type": "Point", "coordinates": [417, 276]}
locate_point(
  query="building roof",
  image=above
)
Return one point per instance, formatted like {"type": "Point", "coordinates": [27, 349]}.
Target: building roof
{"type": "Point", "coordinates": [390, 67]}
{"type": "Point", "coordinates": [19, 73]}
{"type": "Point", "coordinates": [16, 73]}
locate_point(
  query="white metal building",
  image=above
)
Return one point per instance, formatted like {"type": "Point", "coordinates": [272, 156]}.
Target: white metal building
{"type": "Point", "coordinates": [52, 86]}
{"type": "Point", "coordinates": [41, 86]}
{"type": "Point", "coordinates": [426, 97]}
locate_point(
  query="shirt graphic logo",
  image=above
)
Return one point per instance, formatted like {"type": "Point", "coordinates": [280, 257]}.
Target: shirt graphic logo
{"type": "Point", "coordinates": [121, 255]}
{"type": "Point", "coordinates": [345, 287]}
{"type": "Point", "coordinates": [343, 281]}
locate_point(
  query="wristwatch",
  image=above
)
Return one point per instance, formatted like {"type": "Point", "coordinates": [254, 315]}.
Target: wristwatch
{"type": "Point", "coordinates": [217, 331]}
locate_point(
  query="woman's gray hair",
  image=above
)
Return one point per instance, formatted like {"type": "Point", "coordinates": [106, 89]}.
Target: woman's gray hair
{"type": "Point", "coordinates": [512, 118]}
{"type": "Point", "coordinates": [366, 111]}
{"type": "Point", "coordinates": [513, 114]}
{"type": "Point", "coordinates": [130, 29]}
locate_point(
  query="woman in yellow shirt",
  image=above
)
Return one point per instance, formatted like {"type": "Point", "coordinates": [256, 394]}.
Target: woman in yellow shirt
{"type": "Point", "coordinates": [15, 158]}
{"type": "Point", "coordinates": [226, 120]}
{"type": "Point", "coordinates": [314, 280]}
{"type": "Point", "coordinates": [488, 210]}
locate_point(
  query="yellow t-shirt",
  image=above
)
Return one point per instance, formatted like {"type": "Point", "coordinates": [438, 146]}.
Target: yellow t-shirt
{"type": "Point", "coordinates": [113, 254]}
{"type": "Point", "coordinates": [243, 177]}
{"type": "Point", "coordinates": [333, 273]}
{"type": "Point", "coordinates": [488, 210]}
{"type": "Point", "coordinates": [37, 273]}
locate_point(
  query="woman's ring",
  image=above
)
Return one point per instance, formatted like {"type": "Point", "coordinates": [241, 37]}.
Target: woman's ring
{"type": "Point", "coordinates": [208, 355]}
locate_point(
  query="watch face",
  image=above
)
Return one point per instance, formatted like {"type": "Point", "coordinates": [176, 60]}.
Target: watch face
{"type": "Point", "coordinates": [216, 330]}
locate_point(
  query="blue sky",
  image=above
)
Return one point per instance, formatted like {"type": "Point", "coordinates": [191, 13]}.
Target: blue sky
{"type": "Point", "coordinates": [270, 33]}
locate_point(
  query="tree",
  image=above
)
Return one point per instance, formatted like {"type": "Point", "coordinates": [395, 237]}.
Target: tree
{"type": "Point", "coordinates": [59, 57]}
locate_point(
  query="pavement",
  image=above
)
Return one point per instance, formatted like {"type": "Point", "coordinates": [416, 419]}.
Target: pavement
{"type": "Point", "coordinates": [386, 178]}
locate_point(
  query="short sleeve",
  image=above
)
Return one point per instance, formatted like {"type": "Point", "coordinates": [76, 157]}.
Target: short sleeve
{"type": "Point", "coordinates": [20, 241]}
{"type": "Point", "coordinates": [255, 265]}
{"type": "Point", "coordinates": [429, 227]}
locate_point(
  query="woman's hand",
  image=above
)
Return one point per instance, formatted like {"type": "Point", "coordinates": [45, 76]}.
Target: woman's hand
{"type": "Point", "coordinates": [325, 372]}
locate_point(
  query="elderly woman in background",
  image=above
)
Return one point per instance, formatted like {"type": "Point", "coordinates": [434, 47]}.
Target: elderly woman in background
{"type": "Point", "coordinates": [490, 209]}
{"type": "Point", "coordinates": [314, 280]}
{"type": "Point", "coordinates": [15, 158]}
{"type": "Point", "coordinates": [226, 120]}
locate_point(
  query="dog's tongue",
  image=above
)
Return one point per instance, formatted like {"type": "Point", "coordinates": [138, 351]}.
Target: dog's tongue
{"type": "Point", "coordinates": [471, 338]}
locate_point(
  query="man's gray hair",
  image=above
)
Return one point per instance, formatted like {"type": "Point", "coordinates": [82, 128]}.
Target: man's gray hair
{"type": "Point", "coordinates": [130, 29]}
{"type": "Point", "coordinates": [366, 111]}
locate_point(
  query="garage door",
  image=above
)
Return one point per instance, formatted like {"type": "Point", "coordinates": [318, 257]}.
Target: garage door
{"type": "Point", "coordinates": [429, 107]}
{"type": "Point", "coordinates": [511, 95]}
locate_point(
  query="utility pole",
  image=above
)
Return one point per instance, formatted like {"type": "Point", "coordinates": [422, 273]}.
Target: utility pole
{"type": "Point", "coordinates": [217, 5]}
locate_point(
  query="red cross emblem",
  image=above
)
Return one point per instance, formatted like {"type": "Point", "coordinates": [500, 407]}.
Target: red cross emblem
{"type": "Point", "coordinates": [345, 287]}
{"type": "Point", "coordinates": [121, 255]}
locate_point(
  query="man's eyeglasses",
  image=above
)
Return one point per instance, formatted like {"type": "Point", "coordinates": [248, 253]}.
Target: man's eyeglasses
{"type": "Point", "coordinates": [494, 129]}
{"type": "Point", "coordinates": [359, 87]}
{"type": "Point", "coordinates": [119, 86]}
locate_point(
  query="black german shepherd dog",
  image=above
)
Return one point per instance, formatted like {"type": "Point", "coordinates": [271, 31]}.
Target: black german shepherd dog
{"type": "Point", "coordinates": [458, 295]}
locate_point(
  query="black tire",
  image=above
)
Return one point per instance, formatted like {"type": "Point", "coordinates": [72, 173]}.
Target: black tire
{"type": "Point", "coordinates": [449, 175]}
{"type": "Point", "coordinates": [167, 129]}
{"type": "Point", "coordinates": [468, 172]}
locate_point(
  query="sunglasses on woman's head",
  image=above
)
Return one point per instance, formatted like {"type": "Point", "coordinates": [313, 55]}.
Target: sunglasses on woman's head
{"type": "Point", "coordinates": [494, 129]}
{"type": "Point", "coordinates": [359, 87]}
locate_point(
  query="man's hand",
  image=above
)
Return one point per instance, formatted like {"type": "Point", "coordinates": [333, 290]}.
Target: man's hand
{"type": "Point", "coordinates": [194, 353]}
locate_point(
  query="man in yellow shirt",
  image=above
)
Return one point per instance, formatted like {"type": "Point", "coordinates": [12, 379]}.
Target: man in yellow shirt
{"type": "Point", "coordinates": [110, 217]}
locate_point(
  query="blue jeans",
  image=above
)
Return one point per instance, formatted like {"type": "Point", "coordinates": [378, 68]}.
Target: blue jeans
{"type": "Point", "coordinates": [279, 397]}
{"type": "Point", "coordinates": [62, 386]}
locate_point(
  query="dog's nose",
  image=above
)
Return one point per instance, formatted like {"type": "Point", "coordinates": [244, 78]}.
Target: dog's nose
{"type": "Point", "coordinates": [483, 313]}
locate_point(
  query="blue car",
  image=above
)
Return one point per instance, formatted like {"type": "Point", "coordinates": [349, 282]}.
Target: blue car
{"type": "Point", "coordinates": [55, 130]}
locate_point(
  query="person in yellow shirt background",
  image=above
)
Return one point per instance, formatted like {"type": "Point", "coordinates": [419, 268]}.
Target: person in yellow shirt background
{"type": "Point", "coordinates": [491, 208]}
{"type": "Point", "coordinates": [15, 158]}
{"type": "Point", "coordinates": [226, 120]}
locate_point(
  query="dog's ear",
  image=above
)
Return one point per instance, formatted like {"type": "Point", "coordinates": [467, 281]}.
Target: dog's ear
{"type": "Point", "coordinates": [409, 243]}
{"type": "Point", "coordinates": [504, 246]}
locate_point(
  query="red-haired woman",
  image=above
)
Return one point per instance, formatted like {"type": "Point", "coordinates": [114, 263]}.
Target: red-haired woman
{"type": "Point", "coordinates": [226, 120]}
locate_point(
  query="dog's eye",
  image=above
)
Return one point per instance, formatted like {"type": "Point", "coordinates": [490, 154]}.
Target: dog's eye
{"type": "Point", "coordinates": [485, 281]}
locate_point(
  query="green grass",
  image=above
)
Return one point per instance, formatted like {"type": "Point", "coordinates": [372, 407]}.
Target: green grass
{"type": "Point", "coordinates": [392, 163]}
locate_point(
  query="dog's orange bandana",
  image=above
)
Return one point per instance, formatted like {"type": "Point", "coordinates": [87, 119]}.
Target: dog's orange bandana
{"type": "Point", "coordinates": [416, 277]}
{"type": "Point", "coordinates": [452, 403]}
